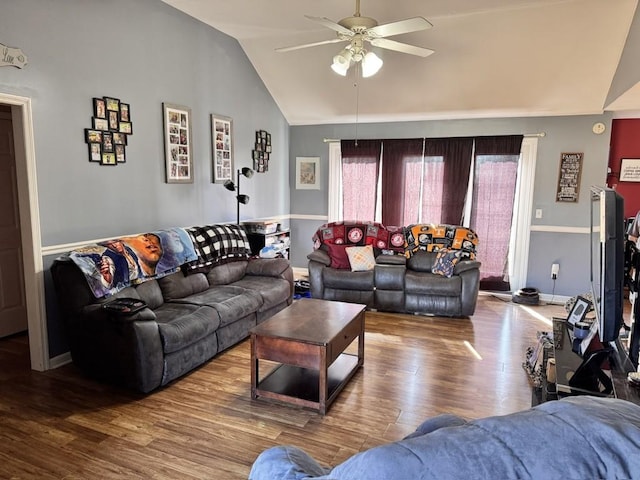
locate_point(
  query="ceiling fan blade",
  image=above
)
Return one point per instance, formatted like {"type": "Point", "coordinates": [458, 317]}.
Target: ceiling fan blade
{"type": "Point", "coordinates": [403, 26]}
{"type": "Point", "coordinates": [306, 45]}
{"type": "Point", "coordinates": [401, 47]}
{"type": "Point", "coordinates": [331, 24]}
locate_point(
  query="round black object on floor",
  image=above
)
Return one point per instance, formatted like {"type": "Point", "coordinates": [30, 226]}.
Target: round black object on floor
{"type": "Point", "coordinates": [526, 296]}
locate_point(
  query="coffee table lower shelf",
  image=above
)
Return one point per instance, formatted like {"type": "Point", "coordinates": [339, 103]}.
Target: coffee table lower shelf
{"type": "Point", "coordinates": [301, 386]}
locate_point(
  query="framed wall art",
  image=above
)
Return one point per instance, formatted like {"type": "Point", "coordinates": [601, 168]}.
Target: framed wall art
{"type": "Point", "coordinates": [110, 126]}
{"type": "Point", "coordinates": [307, 173]}
{"type": "Point", "coordinates": [262, 151]}
{"type": "Point", "coordinates": [630, 170]}
{"type": "Point", "coordinates": [222, 148]}
{"type": "Point", "coordinates": [569, 177]}
{"type": "Point", "coordinates": [177, 143]}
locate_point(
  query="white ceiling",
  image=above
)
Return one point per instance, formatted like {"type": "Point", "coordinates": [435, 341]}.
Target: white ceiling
{"type": "Point", "coordinates": [494, 58]}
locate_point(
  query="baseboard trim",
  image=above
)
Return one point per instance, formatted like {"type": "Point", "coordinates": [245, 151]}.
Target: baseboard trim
{"type": "Point", "coordinates": [60, 360]}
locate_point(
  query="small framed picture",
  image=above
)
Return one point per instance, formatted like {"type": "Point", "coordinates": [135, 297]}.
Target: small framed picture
{"type": "Point", "coordinates": [95, 152]}
{"type": "Point", "coordinates": [101, 124]}
{"type": "Point", "coordinates": [108, 159]}
{"type": "Point", "coordinates": [268, 138]}
{"type": "Point", "coordinates": [107, 142]}
{"type": "Point", "coordinates": [119, 138]}
{"type": "Point", "coordinates": [99, 108]}
{"type": "Point", "coordinates": [579, 310]}
{"type": "Point", "coordinates": [120, 153]}
{"type": "Point", "coordinates": [125, 116]}
{"type": "Point", "coordinates": [126, 127]}
{"type": "Point", "coordinates": [113, 120]}
{"type": "Point", "coordinates": [93, 136]}
{"type": "Point", "coordinates": [307, 173]}
{"type": "Point", "coordinates": [112, 104]}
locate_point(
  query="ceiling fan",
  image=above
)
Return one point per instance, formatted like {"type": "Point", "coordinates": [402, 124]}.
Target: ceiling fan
{"type": "Point", "coordinates": [357, 30]}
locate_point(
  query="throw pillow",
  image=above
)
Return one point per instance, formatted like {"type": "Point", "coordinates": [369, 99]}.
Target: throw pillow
{"type": "Point", "coordinates": [361, 259]}
{"type": "Point", "coordinates": [338, 256]}
{"type": "Point", "coordinates": [446, 261]}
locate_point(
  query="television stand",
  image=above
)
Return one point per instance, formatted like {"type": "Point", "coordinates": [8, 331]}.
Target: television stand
{"type": "Point", "coordinates": [576, 375]}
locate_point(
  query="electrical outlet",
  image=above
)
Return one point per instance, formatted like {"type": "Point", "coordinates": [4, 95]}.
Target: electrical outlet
{"type": "Point", "coordinates": [555, 269]}
{"type": "Point", "coordinates": [538, 213]}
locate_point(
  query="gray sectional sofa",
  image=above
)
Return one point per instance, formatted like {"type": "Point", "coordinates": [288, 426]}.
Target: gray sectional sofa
{"type": "Point", "coordinates": [188, 319]}
{"type": "Point", "coordinates": [403, 278]}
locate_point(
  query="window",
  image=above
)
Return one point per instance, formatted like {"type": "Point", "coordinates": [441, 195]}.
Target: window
{"type": "Point", "coordinates": [424, 199]}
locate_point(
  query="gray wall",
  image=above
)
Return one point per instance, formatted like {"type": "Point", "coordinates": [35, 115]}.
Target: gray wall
{"type": "Point", "coordinates": [553, 245]}
{"type": "Point", "coordinates": [143, 52]}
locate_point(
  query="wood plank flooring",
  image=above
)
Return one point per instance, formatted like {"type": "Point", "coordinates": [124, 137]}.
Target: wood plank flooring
{"type": "Point", "coordinates": [61, 425]}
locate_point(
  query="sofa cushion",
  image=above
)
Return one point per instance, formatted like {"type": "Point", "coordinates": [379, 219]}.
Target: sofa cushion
{"type": "Point", "coordinates": [182, 324]}
{"type": "Point", "coordinates": [273, 291]}
{"type": "Point", "coordinates": [227, 273]}
{"type": "Point", "coordinates": [361, 259]}
{"type": "Point", "coordinates": [178, 285]}
{"type": "Point", "coordinates": [423, 283]}
{"type": "Point", "coordinates": [231, 302]}
{"type": "Point", "coordinates": [345, 280]}
{"type": "Point", "coordinates": [150, 293]}
{"type": "Point", "coordinates": [338, 255]}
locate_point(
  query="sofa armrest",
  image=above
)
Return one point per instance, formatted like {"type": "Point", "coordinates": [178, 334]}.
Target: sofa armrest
{"type": "Point", "coordinates": [391, 260]}
{"type": "Point", "coordinates": [320, 256]}
{"type": "Point", "coordinates": [465, 265]}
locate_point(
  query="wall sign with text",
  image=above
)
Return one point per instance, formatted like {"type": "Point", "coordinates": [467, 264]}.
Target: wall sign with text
{"type": "Point", "coordinates": [569, 177]}
{"type": "Point", "coordinates": [630, 170]}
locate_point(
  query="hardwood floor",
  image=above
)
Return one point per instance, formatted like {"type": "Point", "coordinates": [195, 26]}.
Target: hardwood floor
{"type": "Point", "coordinates": [60, 425]}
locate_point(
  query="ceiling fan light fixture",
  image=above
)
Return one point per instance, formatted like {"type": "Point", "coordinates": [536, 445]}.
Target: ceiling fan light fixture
{"type": "Point", "coordinates": [371, 64]}
{"type": "Point", "coordinates": [342, 62]}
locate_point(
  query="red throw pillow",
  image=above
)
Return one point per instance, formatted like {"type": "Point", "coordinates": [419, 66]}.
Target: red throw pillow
{"type": "Point", "coordinates": [338, 255]}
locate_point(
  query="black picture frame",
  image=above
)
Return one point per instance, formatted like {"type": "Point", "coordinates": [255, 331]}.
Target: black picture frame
{"type": "Point", "coordinates": [126, 128]}
{"type": "Point", "coordinates": [107, 142]}
{"type": "Point", "coordinates": [121, 155]}
{"type": "Point", "coordinates": [112, 103]}
{"type": "Point", "coordinates": [92, 136]}
{"type": "Point", "coordinates": [100, 124]}
{"type": "Point", "coordinates": [125, 112]}
{"type": "Point", "coordinates": [95, 152]}
{"type": "Point", "coordinates": [114, 120]}
{"type": "Point", "coordinates": [99, 108]}
{"type": "Point", "coordinates": [578, 311]}
{"type": "Point", "coordinates": [119, 138]}
{"type": "Point", "coordinates": [108, 159]}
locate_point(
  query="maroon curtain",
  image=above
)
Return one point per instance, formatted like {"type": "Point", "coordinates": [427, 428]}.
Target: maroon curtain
{"type": "Point", "coordinates": [495, 176]}
{"type": "Point", "coordinates": [360, 170]}
{"type": "Point", "coordinates": [396, 154]}
{"type": "Point", "coordinates": [457, 153]}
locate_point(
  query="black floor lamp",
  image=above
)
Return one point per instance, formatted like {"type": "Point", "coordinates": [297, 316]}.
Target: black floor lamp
{"type": "Point", "coordinates": [235, 187]}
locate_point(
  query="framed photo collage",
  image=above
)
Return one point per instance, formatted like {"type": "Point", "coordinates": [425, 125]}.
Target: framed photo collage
{"type": "Point", "coordinates": [107, 137]}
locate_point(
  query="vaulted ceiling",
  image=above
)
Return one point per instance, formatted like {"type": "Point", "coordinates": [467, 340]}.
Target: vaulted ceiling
{"type": "Point", "coordinates": [493, 58]}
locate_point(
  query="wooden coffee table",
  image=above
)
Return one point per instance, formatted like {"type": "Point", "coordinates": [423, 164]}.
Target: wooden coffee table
{"type": "Point", "coordinates": [308, 340]}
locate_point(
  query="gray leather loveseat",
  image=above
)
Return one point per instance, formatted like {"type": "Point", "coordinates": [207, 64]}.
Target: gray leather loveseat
{"type": "Point", "coordinates": [404, 278]}
{"type": "Point", "coordinates": [190, 316]}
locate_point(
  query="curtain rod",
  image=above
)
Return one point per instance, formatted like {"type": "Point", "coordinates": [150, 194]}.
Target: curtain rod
{"type": "Point", "coordinates": [541, 134]}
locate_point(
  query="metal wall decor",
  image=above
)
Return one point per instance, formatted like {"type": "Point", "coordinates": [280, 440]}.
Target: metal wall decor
{"type": "Point", "coordinates": [262, 151]}
{"type": "Point", "coordinates": [111, 126]}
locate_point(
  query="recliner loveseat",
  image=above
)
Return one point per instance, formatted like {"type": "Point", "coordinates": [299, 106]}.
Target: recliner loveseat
{"type": "Point", "coordinates": [425, 269]}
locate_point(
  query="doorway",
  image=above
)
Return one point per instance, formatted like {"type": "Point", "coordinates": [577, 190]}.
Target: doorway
{"type": "Point", "coordinates": [30, 245]}
{"type": "Point", "coordinates": [13, 308]}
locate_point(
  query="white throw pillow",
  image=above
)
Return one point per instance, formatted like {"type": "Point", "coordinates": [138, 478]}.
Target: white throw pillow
{"type": "Point", "coordinates": [361, 259]}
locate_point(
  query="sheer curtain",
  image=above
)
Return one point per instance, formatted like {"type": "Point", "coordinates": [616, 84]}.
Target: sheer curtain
{"type": "Point", "coordinates": [360, 170]}
{"type": "Point", "coordinates": [494, 185]}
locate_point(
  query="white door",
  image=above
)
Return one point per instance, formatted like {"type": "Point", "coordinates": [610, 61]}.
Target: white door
{"type": "Point", "coordinates": [13, 311]}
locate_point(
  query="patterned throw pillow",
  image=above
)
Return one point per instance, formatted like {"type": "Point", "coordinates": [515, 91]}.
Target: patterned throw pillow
{"type": "Point", "coordinates": [361, 258]}
{"type": "Point", "coordinates": [446, 261]}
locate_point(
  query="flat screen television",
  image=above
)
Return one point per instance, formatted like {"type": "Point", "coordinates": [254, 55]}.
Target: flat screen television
{"type": "Point", "coordinates": [608, 229]}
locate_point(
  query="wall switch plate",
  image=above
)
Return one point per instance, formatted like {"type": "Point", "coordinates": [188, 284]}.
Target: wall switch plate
{"type": "Point", "coordinates": [538, 213]}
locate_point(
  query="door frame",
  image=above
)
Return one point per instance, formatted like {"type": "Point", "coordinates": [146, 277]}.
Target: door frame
{"type": "Point", "coordinates": [25, 158]}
